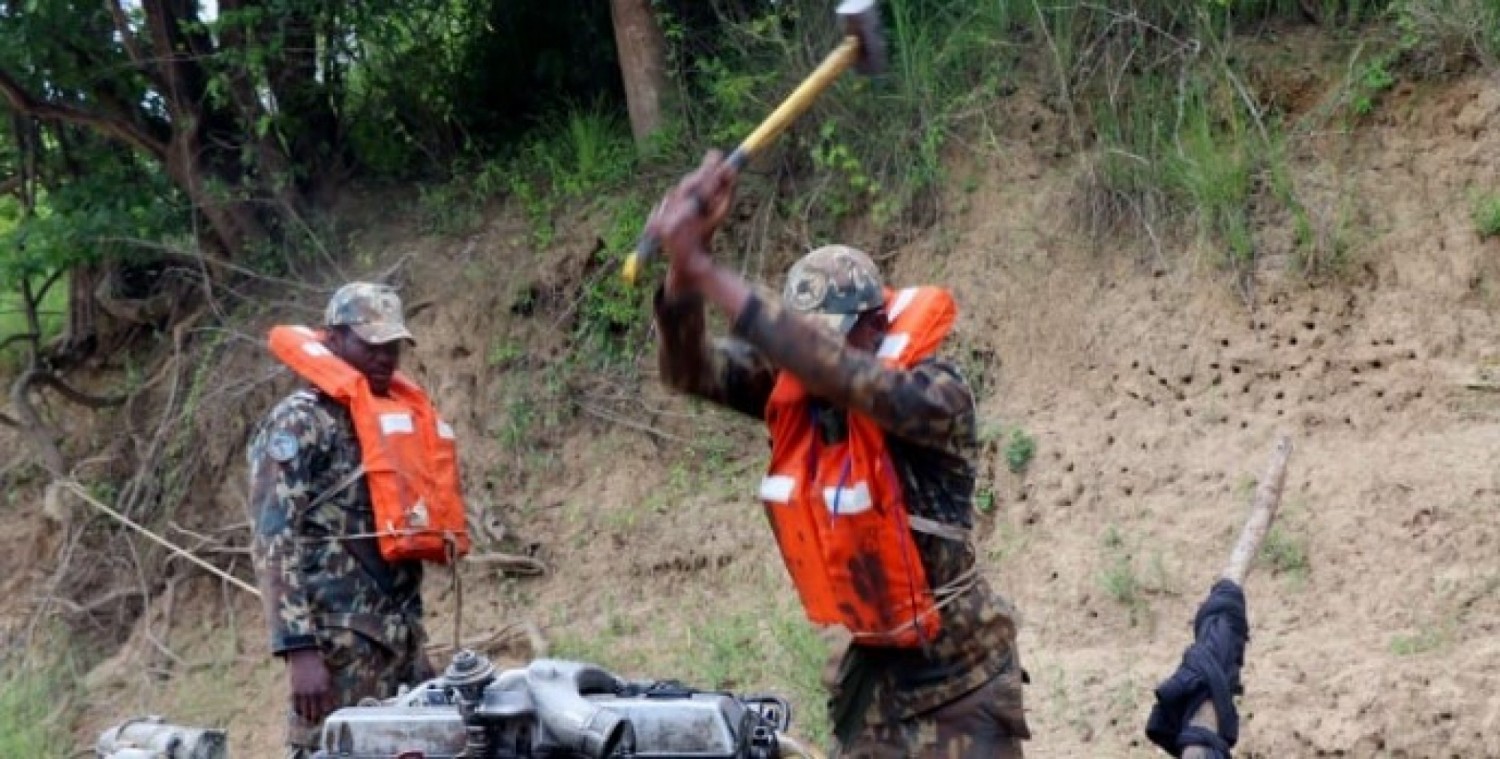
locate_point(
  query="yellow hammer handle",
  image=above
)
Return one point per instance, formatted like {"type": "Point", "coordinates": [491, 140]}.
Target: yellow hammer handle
{"type": "Point", "coordinates": [797, 103]}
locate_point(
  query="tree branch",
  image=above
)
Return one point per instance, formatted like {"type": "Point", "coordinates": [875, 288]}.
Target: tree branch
{"type": "Point", "coordinates": [77, 396]}
{"type": "Point", "coordinates": [37, 432]}
{"type": "Point", "coordinates": [41, 292]}
{"type": "Point", "coordinates": [114, 127]}
{"type": "Point", "coordinates": [16, 338]}
{"type": "Point", "coordinates": [127, 37]}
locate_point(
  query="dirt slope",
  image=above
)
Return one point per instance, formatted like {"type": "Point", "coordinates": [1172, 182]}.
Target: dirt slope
{"type": "Point", "coordinates": [1154, 394]}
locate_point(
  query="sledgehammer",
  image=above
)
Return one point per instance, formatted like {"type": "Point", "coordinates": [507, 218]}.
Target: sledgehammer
{"type": "Point", "coordinates": [863, 48]}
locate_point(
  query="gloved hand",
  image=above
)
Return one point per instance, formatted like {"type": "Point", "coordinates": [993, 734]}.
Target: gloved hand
{"type": "Point", "coordinates": [312, 686]}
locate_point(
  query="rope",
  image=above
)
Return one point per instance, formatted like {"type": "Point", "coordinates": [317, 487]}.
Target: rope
{"type": "Point", "coordinates": [796, 747]}
{"type": "Point", "coordinates": [78, 490]}
{"type": "Point", "coordinates": [943, 597]}
{"type": "Point", "coordinates": [451, 545]}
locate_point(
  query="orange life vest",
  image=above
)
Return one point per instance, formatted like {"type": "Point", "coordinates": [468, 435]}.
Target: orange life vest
{"type": "Point", "coordinates": [838, 510]}
{"type": "Point", "coordinates": [409, 454]}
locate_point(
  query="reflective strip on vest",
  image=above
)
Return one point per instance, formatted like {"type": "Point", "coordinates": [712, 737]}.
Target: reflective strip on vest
{"type": "Point", "coordinates": [903, 299]}
{"type": "Point", "coordinates": [893, 345]}
{"type": "Point", "coordinates": [777, 488]}
{"type": "Point", "coordinates": [445, 431]}
{"type": "Point", "coordinates": [848, 501]}
{"type": "Point", "coordinates": [391, 424]}
{"type": "Point", "coordinates": [315, 349]}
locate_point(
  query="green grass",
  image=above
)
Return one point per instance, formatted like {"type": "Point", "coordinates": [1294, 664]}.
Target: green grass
{"type": "Point", "coordinates": [26, 698]}
{"type": "Point", "coordinates": [774, 648]}
{"type": "Point", "coordinates": [1425, 640]}
{"type": "Point", "coordinates": [1286, 554]}
{"type": "Point", "coordinates": [1487, 215]}
{"type": "Point", "coordinates": [1121, 581]}
{"type": "Point", "coordinates": [34, 699]}
{"type": "Point", "coordinates": [52, 316]}
{"type": "Point", "coordinates": [1020, 448]}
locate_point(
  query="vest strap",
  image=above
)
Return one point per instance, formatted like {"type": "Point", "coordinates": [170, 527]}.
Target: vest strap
{"type": "Point", "coordinates": [933, 527]}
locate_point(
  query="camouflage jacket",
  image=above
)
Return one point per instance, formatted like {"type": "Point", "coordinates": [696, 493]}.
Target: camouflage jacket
{"type": "Point", "coordinates": [928, 415]}
{"type": "Point", "coordinates": [302, 502]}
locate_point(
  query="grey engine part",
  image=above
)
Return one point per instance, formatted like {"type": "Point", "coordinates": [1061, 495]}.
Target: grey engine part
{"type": "Point", "coordinates": [151, 738]}
{"type": "Point", "coordinates": [554, 708]}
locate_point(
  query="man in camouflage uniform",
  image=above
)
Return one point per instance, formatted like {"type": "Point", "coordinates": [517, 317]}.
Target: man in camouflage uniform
{"type": "Point", "coordinates": [959, 696]}
{"type": "Point", "coordinates": [347, 623]}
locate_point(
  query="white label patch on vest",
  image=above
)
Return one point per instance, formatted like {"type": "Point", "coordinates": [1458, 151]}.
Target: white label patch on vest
{"type": "Point", "coordinates": [418, 517]}
{"type": "Point", "coordinates": [848, 501]}
{"type": "Point", "coordinates": [903, 299]}
{"type": "Point", "coordinates": [315, 349]}
{"type": "Point", "coordinates": [777, 488]}
{"type": "Point", "coordinates": [395, 424]}
{"type": "Point", "coordinates": [893, 345]}
{"type": "Point", "coordinates": [445, 431]}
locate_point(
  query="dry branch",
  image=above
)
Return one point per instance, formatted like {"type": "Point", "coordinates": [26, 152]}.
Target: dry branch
{"type": "Point", "coordinates": [509, 563]}
{"type": "Point", "coordinates": [128, 522]}
{"type": "Point", "coordinates": [37, 432]}
{"type": "Point", "coordinates": [1262, 514]}
{"type": "Point", "coordinates": [77, 396]}
{"type": "Point", "coordinates": [506, 636]}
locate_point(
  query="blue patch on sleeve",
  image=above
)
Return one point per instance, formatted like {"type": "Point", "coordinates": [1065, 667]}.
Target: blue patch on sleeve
{"type": "Point", "coordinates": [282, 446]}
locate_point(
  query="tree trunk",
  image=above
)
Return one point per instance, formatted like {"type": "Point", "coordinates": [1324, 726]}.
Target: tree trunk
{"type": "Point", "coordinates": [643, 64]}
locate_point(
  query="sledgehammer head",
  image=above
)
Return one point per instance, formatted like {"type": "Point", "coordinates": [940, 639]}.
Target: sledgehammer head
{"type": "Point", "coordinates": [862, 19]}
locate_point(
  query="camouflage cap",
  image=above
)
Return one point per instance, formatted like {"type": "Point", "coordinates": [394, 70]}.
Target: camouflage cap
{"type": "Point", "coordinates": [836, 283]}
{"type": "Point", "coordinates": [372, 311]}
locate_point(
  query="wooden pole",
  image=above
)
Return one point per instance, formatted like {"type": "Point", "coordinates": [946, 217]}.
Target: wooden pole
{"type": "Point", "coordinates": [1262, 514]}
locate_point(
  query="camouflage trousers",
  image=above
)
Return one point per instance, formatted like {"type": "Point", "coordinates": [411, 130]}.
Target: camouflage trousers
{"type": "Point", "coordinates": [988, 722]}
{"type": "Point", "coordinates": [373, 664]}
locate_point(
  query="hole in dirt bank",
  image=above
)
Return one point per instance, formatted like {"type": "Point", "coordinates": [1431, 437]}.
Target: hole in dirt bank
{"type": "Point", "coordinates": [526, 303]}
